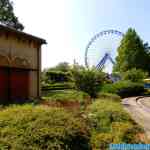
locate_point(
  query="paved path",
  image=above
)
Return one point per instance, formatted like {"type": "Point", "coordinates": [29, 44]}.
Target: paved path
{"type": "Point", "coordinates": [139, 108]}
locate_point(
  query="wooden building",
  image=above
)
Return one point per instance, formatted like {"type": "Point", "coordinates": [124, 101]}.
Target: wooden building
{"type": "Point", "coordinates": [20, 65]}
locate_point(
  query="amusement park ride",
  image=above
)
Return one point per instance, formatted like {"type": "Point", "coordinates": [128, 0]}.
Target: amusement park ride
{"type": "Point", "coordinates": [101, 48]}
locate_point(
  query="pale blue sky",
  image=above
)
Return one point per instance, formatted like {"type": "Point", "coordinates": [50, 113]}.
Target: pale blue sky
{"type": "Point", "coordinates": [68, 25]}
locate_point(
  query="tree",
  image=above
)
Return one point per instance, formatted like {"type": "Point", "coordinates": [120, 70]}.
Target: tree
{"type": "Point", "coordinates": [7, 16]}
{"type": "Point", "coordinates": [63, 66]}
{"type": "Point", "coordinates": [132, 53]}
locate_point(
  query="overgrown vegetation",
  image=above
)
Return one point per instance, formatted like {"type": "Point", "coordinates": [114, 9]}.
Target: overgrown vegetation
{"type": "Point", "coordinates": [41, 127]}
{"type": "Point", "coordinates": [111, 124]}
{"type": "Point", "coordinates": [124, 88]}
{"type": "Point", "coordinates": [27, 127]}
{"type": "Point", "coordinates": [65, 97]}
{"type": "Point", "coordinates": [89, 81]}
{"type": "Point", "coordinates": [135, 75]}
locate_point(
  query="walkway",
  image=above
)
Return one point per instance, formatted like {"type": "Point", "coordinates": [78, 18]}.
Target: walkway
{"type": "Point", "coordinates": [139, 108]}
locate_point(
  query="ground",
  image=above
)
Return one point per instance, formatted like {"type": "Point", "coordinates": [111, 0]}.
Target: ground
{"type": "Point", "coordinates": [139, 109]}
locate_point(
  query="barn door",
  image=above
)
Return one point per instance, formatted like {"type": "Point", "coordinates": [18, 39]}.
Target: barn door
{"type": "Point", "coordinates": [4, 85]}
{"type": "Point", "coordinates": [19, 84]}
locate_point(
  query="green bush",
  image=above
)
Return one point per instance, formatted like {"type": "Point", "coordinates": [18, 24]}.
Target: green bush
{"type": "Point", "coordinates": [101, 141]}
{"type": "Point", "coordinates": [58, 86]}
{"type": "Point", "coordinates": [109, 96]}
{"type": "Point", "coordinates": [88, 80]}
{"type": "Point", "coordinates": [27, 127]}
{"type": "Point", "coordinates": [103, 112]}
{"type": "Point", "coordinates": [124, 88]}
{"type": "Point", "coordinates": [130, 135]}
{"type": "Point", "coordinates": [135, 75]}
{"type": "Point", "coordinates": [67, 96]}
{"type": "Point", "coordinates": [111, 124]}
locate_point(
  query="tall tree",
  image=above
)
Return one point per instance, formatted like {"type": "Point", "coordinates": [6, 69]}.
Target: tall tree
{"type": "Point", "coordinates": [132, 53]}
{"type": "Point", "coordinates": [7, 15]}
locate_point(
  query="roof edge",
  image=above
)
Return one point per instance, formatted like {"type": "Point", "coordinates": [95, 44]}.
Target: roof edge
{"type": "Point", "coordinates": [10, 29]}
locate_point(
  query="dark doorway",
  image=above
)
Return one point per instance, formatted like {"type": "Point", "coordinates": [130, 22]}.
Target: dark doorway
{"type": "Point", "coordinates": [19, 85]}
{"type": "Point", "coordinates": [14, 85]}
{"type": "Point", "coordinates": [4, 85]}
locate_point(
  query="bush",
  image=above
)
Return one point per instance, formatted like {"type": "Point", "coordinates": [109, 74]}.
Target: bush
{"type": "Point", "coordinates": [111, 124]}
{"type": "Point", "coordinates": [101, 141]}
{"type": "Point", "coordinates": [103, 112]}
{"type": "Point", "coordinates": [67, 96]}
{"type": "Point", "coordinates": [58, 86]}
{"type": "Point", "coordinates": [135, 75]}
{"type": "Point", "coordinates": [88, 81]}
{"type": "Point", "coordinates": [124, 88]}
{"type": "Point", "coordinates": [27, 127]}
{"type": "Point", "coordinates": [109, 96]}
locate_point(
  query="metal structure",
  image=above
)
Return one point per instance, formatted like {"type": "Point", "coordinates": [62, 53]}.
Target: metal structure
{"type": "Point", "coordinates": [102, 47]}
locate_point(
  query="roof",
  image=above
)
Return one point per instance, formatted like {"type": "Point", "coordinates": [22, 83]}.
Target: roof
{"type": "Point", "coordinates": [23, 34]}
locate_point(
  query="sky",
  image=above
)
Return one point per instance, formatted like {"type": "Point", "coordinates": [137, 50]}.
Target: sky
{"type": "Point", "coordinates": [68, 25]}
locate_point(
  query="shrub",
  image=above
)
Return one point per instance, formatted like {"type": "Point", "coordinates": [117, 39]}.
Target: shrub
{"type": "Point", "coordinates": [130, 135]}
{"type": "Point", "coordinates": [135, 75]}
{"type": "Point", "coordinates": [28, 127]}
{"type": "Point", "coordinates": [58, 86]}
{"type": "Point", "coordinates": [88, 81]}
{"type": "Point", "coordinates": [67, 96]}
{"type": "Point", "coordinates": [103, 112]}
{"type": "Point", "coordinates": [109, 96]}
{"type": "Point", "coordinates": [101, 141]}
{"type": "Point", "coordinates": [124, 88]}
{"type": "Point", "coordinates": [111, 124]}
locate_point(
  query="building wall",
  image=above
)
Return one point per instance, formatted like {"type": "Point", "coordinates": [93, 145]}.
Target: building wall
{"type": "Point", "coordinates": [17, 52]}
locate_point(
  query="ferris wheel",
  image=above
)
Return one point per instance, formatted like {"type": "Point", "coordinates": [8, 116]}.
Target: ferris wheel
{"type": "Point", "coordinates": [102, 49]}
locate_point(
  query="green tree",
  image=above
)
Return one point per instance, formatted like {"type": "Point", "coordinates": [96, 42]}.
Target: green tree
{"type": "Point", "coordinates": [63, 66]}
{"type": "Point", "coordinates": [132, 53]}
{"type": "Point", "coordinates": [7, 15]}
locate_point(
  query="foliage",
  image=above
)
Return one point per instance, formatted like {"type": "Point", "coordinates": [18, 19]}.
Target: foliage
{"type": "Point", "coordinates": [7, 15]}
{"type": "Point", "coordinates": [88, 80]}
{"type": "Point", "coordinates": [124, 88]}
{"type": "Point", "coordinates": [109, 96]}
{"type": "Point", "coordinates": [58, 76]}
{"type": "Point", "coordinates": [132, 53]}
{"type": "Point", "coordinates": [101, 141]}
{"type": "Point", "coordinates": [103, 112]}
{"type": "Point", "coordinates": [63, 66]}
{"type": "Point", "coordinates": [58, 86]}
{"type": "Point", "coordinates": [67, 96]}
{"type": "Point", "coordinates": [135, 75]}
{"type": "Point", "coordinates": [60, 73]}
{"type": "Point", "coordinates": [111, 124]}
{"type": "Point", "coordinates": [28, 127]}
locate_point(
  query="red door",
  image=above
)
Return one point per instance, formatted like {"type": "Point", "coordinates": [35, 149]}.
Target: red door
{"type": "Point", "coordinates": [19, 84]}
{"type": "Point", "coordinates": [4, 85]}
